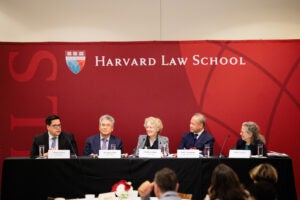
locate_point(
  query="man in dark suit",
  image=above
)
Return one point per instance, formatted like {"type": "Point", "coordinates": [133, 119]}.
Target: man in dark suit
{"type": "Point", "coordinates": [104, 139]}
{"type": "Point", "coordinates": [198, 137]}
{"type": "Point", "coordinates": [54, 138]}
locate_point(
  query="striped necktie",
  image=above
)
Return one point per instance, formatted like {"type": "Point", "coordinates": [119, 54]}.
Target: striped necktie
{"type": "Point", "coordinates": [104, 146]}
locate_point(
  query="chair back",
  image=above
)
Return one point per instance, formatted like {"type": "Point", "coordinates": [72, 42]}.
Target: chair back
{"type": "Point", "coordinates": [185, 196]}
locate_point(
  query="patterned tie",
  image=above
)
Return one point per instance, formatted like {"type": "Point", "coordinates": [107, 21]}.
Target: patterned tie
{"type": "Point", "coordinates": [104, 144]}
{"type": "Point", "coordinates": [53, 144]}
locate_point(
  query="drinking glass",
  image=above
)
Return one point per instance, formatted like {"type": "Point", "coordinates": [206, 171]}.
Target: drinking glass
{"type": "Point", "coordinates": [207, 150]}
{"type": "Point", "coordinates": [113, 147]}
{"type": "Point", "coordinates": [41, 151]}
{"type": "Point", "coordinates": [260, 150]}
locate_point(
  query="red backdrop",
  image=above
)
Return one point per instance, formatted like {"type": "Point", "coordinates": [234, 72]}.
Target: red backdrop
{"type": "Point", "coordinates": [229, 81]}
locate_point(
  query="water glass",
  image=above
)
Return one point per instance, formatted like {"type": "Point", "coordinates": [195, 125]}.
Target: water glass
{"type": "Point", "coordinates": [113, 147]}
{"type": "Point", "coordinates": [164, 152]}
{"type": "Point", "coordinates": [41, 151]}
{"type": "Point", "coordinates": [260, 150]}
{"type": "Point", "coordinates": [206, 150]}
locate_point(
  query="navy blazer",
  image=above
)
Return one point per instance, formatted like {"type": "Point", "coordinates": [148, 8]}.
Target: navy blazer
{"type": "Point", "coordinates": [241, 144]}
{"type": "Point", "coordinates": [65, 141]}
{"type": "Point", "coordinates": [187, 141]}
{"type": "Point", "coordinates": [92, 144]}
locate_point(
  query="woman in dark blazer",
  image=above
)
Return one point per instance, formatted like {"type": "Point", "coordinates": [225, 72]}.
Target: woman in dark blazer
{"type": "Point", "coordinates": [251, 138]}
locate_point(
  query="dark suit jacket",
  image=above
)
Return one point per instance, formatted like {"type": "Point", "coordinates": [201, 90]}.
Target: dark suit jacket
{"type": "Point", "coordinates": [65, 141]}
{"type": "Point", "coordinates": [92, 144]}
{"type": "Point", "coordinates": [241, 144]}
{"type": "Point", "coordinates": [187, 141]}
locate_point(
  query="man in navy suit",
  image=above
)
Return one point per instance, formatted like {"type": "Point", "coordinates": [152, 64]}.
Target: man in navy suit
{"type": "Point", "coordinates": [104, 139]}
{"type": "Point", "coordinates": [54, 138]}
{"type": "Point", "coordinates": [198, 136]}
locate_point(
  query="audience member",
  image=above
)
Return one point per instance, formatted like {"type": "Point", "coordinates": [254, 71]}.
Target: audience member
{"type": "Point", "coordinates": [104, 139]}
{"type": "Point", "coordinates": [198, 136]}
{"type": "Point", "coordinates": [250, 138]}
{"type": "Point", "coordinates": [53, 139]}
{"type": "Point", "coordinates": [264, 178]}
{"type": "Point", "coordinates": [225, 185]}
{"type": "Point", "coordinates": [153, 139]}
{"type": "Point", "coordinates": [165, 186]}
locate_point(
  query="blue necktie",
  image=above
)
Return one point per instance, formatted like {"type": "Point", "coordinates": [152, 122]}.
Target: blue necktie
{"type": "Point", "coordinates": [53, 144]}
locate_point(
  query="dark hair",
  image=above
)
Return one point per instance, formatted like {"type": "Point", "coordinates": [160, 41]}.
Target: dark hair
{"type": "Point", "coordinates": [50, 118]}
{"type": "Point", "coordinates": [225, 184]}
{"type": "Point", "coordinates": [166, 180]}
{"type": "Point", "coordinates": [263, 190]}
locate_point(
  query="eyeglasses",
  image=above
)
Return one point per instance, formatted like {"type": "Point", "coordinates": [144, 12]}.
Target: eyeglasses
{"type": "Point", "coordinates": [56, 125]}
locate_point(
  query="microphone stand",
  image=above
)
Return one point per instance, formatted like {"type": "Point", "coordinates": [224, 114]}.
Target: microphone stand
{"type": "Point", "coordinates": [221, 155]}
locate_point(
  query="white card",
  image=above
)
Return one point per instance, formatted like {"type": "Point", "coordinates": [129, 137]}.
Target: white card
{"type": "Point", "coordinates": [234, 153]}
{"type": "Point", "coordinates": [149, 153]}
{"type": "Point", "coordinates": [188, 153]}
{"type": "Point", "coordinates": [59, 154]}
{"type": "Point", "coordinates": [109, 154]}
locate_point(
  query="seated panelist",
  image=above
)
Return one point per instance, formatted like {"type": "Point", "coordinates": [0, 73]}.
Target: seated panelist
{"type": "Point", "coordinates": [198, 136]}
{"type": "Point", "coordinates": [153, 139]}
{"type": "Point", "coordinates": [104, 139]}
{"type": "Point", "coordinates": [54, 138]}
{"type": "Point", "coordinates": [250, 138]}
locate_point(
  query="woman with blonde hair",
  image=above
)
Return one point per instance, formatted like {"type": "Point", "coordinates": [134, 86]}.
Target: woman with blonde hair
{"type": "Point", "coordinates": [153, 139]}
{"type": "Point", "coordinates": [251, 138]}
{"type": "Point", "coordinates": [264, 178]}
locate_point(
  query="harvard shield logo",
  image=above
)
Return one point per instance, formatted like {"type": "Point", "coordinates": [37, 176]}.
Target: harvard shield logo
{"type": "Point", "coordinates": [75, 60]}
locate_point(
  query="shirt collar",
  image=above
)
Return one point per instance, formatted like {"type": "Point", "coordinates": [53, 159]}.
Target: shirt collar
{"type": "Point", "coordinates": [199, 133]}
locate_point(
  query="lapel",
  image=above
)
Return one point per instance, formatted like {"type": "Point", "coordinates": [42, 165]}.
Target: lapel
{"type": "Point", "coordinates": [97, 143]}
{"type": "Point", "coordinates": [46, 141]}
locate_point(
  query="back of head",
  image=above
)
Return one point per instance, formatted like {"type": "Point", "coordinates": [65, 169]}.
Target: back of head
{"type": "Point", "coordinates": [264, 172]}
{"type": "Point", "coordinates": [225, 184]}
{"type": "Point", "coordinates": [166, 180]}
{"type": "Point", "coordinates": [263, 190]}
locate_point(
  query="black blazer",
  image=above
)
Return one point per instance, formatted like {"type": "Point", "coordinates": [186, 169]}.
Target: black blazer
{"type": "Point", "coordinates": [65, 141]}
{"type": "Point", "coordinates": [241, 144]}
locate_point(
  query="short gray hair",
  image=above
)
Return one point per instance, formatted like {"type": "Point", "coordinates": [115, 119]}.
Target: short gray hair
{"type": "Point", "coordinates": [108, 117]}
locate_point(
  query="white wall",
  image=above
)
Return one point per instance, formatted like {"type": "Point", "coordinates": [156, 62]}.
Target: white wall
{"type": "Point", "coordinates": [139, 20]}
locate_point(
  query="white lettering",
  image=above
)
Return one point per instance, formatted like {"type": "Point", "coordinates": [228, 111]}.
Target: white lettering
{"type": "Point", "coordinates": [223, 61]}
{"type": "Point", "coordinates": [174, 61]}
{"type": "Point", "coordinates": [197, 60]}
{"type": "Point", "coordinates": [102, 61]}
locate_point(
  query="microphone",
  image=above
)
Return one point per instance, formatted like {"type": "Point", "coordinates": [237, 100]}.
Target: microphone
{"type": "Point", "coordinates": [221, 151]}
{"type": "Point", "coordinates": [72, 147]}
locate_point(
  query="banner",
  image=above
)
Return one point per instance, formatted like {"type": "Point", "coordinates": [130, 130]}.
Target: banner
{"type": "Point", "coordinates": [228, 81]}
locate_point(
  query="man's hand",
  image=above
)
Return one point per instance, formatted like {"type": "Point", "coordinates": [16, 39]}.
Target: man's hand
{"type": "Point", "coordinates": [145, 188]}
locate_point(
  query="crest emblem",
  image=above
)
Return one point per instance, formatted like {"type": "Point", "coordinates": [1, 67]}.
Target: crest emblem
{"type": "Point", "coordinates": [75, 60]}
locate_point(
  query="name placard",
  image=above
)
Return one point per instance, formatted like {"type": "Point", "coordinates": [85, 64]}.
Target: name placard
{"type": "Point", "coordinates": [109, 154]}
{"type": "Point", "coordinates": [59, 154]}
{"type": "Point", "coordinates": [149, 153]}
{"type": "Point", "coordinates": [234, 153]}
{"type": "Point", "coordinates": [188, 153]}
